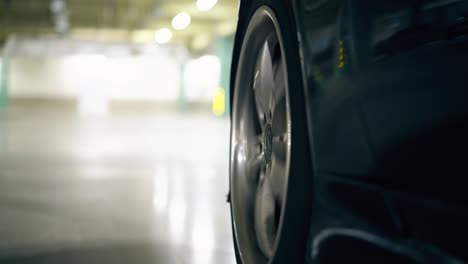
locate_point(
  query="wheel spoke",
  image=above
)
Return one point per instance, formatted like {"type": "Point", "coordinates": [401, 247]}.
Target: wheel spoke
{"type": "Point", "coordinates": [263, 83]}
{"type": "Point", "coordinates": [265, 217]}
{"type": "Point", "coordinates": [253, 168]}
{"type": "Point", "coordinates": [254, 161]}
{"type": "Point", "coordinates": [278, 93]}
{"type": "Point", "coordinates": [277, 173]}
{"type": "Point", "coordinates": [253, 145]}
{"type": "Point", "coordinates": [279, 122]}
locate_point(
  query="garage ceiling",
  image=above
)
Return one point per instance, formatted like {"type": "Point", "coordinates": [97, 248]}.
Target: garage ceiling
{"type": "Point", "coordinates": [118, 20]}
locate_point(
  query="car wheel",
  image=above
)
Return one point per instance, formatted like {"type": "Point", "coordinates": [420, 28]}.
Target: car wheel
{"type": "Point", "coordinates": [270, 174]}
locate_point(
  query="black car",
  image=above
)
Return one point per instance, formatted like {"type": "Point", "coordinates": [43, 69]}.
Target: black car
{"type": "Point", "coordinates": [349, 138]}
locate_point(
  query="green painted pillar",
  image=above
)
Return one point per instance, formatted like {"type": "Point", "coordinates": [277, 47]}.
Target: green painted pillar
{"type": "Point", "coordinates": [182, 101]}
{"type": "Point", "coordinates": [3, 104]}
{"type": "Point", "coordinates": [4, 74]}
{"type": "Point", "coordinates": [224, 46]}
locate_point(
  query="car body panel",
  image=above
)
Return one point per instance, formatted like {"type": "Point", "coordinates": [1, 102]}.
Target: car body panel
{"type": "Point", "coordinates": [387, 128]}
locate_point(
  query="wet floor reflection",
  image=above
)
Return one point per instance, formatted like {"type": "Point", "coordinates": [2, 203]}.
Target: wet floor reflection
{"type": "Point", "coordinates": [127, 188]}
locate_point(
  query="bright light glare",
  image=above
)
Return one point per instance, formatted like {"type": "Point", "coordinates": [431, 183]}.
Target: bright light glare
{"type": "Point", "coordinates": [162, 36]}
{"type": "Point", "coordinates": [202, 78]}
{"type": "Point", "coordinates": [92, 102]}
{"type": "Point", "coordinates": [205, 5]}
{"type": "Point", "coordinates": [160, 189]}
{"type": "Point", "coordinates": [93, 98]}
{"type": "Point", "coordinates": [203, 236]}
{"type": "Point", "coordinates": [177, 208]}
{"type": "Point", "coordinates": [177, 217]}
{"type": "Point", "coordinates": [181, 21]}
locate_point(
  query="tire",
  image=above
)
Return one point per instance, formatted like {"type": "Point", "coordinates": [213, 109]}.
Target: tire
{"type": "Point", "coordinates": [270, 161]}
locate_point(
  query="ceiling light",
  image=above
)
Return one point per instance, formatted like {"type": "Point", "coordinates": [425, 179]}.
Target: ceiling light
{"type": "Point", "coordinates": [181, 21]}
{"type": "Point", "coordinates": [205, 5]}
{"type": "Point", "coordinates": [57, 6]}
{"type": "Point", "coordinates": [163, 35]}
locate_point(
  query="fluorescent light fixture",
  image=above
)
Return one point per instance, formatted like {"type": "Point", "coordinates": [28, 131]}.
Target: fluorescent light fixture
{"type": "Point", "coordinates": [205, 5]}
{"type": "Point", "coordinates": [181, 21]}
{"type": "Point", "coordinates": [57, 6]}
{"type": "Point", "coordinates": [162, 36]}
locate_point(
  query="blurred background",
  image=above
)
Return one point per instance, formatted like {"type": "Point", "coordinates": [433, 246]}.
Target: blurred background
{"type": "Point", "coordinates": [114, 133]}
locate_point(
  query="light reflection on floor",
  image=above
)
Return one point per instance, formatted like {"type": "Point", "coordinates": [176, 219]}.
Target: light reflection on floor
{"type": "Point", "coordinates": [128, 188]}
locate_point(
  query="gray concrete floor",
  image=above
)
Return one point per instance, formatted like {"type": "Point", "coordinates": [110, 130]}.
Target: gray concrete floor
{"type": "Point", "coordinates": [132, 187]}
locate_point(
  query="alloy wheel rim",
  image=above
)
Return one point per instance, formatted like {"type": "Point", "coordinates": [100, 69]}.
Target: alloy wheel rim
{"type": "Point", "coordinates": [260, 140]}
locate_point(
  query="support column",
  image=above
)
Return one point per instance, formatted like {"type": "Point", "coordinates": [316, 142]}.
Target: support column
{"type": "Point", "coordinates": [182, 101]}
{"type": "Point", "coordinates": [224, 46]}
{"type": "Point", "coordinates": [4, 74]}
{"type": "Point", "coordinates": [3, 104]}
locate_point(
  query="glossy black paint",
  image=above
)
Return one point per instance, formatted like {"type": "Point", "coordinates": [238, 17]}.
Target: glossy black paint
{"type": "Point", "coordinates": [386, 96]}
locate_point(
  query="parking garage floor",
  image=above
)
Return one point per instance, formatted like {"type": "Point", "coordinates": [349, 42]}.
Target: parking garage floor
{"type": "Point", "coordinates": [131, 187]}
